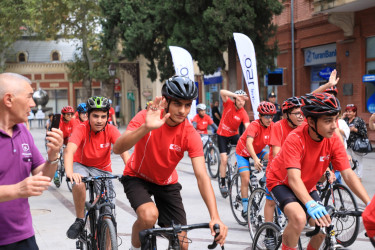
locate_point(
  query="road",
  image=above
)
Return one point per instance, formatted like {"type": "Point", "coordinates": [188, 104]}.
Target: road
{"type": "Point", "coordinates": [53, 212]}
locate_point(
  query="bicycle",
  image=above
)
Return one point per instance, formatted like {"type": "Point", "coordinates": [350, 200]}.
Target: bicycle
{"type": "Point", "coordinates": [61, 171]}
{"type": "Point", "coordinates": [211, 155]}
{"type": "Point", "coordinates": [100, 230]}
{"type": "Point", "coordinates": [235, 196]}
{"type": "Point", "coordinates": [231, 168]}
{"type": "Point", "coordinates": [148, 236]}
{"type": "Point", "coordinates": [255, 212]}
{"type": "Point", "coordinates": [342, 199]}
{"type": "Point", "coordinates": [331, 242]}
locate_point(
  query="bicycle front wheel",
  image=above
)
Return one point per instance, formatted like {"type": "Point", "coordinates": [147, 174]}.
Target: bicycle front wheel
{"type": "Point", "coordinates": [108, 236]}
{"type": "Point", "coordinates": [268, 236]}
{"type": "Point", "coordinates": [235, 200]}
{"type": "Point", "coordinates": [212, 157]}
{"type": "Point", "coordinates": [346, 227]}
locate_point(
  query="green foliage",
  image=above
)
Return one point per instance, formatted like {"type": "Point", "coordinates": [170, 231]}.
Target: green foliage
{"type": "Point", "coordinates": [202, 27]}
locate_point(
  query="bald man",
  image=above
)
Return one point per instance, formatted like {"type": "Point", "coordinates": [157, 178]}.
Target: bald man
{"type": "Point", "coordinates": [20, 158]}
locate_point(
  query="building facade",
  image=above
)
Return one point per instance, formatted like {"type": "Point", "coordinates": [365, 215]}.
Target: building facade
{"type": "Point", "coordinates": [329, 34]}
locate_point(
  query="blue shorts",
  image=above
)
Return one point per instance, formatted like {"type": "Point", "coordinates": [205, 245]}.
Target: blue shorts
{"type": "Point", "coordinates": [243, 162]}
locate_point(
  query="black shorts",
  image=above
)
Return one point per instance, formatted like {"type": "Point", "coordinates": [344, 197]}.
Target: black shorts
{"type": "Point", "coordinates": [26, 244]}
{"type": "Point", "coordinates": [167, 199]}
{"type": "Point", "coordinates": [223, 142]}
{"type": "Point", "coordinates": [283, 195]}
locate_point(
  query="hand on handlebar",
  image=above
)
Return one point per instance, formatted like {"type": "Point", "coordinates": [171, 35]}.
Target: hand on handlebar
{"type": "Point", "coordinates": [75, 177]}
{"type": "Point", "coordinates": [220, 239]}
{"type": "Point", "coordinates": [318, 213]}
{"type": "Point", "coordinates": [258, 164]}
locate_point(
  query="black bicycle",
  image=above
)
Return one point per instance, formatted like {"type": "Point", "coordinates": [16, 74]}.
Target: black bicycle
{"type": "Point", "coordinates": [148, 236]}
{"type": "Point", "coordinates": [100, 231]}
{"type": "Point", "coordinates": [331, 232]}
{"type": "Point", "coordinates": [341, 198]}
{"type": "Point", "coordinates": [211, 155]}
{"type": "Point", "coordinates": [61, 172]}
{"type": "Point", "coordinates": [235, 196]}
{"type": "Point", "coordinates": [231, 168]}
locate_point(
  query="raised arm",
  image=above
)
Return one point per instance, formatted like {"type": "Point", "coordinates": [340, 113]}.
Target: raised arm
{"type": "Point", "coordinates": [332, 82]}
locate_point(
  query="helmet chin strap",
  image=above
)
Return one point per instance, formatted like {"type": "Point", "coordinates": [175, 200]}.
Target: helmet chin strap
{"type": "Point", "coordinates": [320, 137]}
{"type": "Point", "coordinates": [290, 120]}
{"type": "Point", "coordinates": [261, 122]}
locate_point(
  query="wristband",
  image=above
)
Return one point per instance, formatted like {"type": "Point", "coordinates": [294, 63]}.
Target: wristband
{"type": "Point", "coordinates": [55, 161]}
{"type": "Point", "coordinates": [315, 210]}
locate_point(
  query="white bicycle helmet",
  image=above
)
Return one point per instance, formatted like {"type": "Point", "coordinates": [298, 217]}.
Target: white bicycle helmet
{"type": "Point", "coordinates": [201, 106]}
{"type": "Point", "coordinates": [240, 92]}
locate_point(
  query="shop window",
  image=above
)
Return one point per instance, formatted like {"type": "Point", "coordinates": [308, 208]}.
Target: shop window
{"type": "Point", "coordinates": [370, 70]}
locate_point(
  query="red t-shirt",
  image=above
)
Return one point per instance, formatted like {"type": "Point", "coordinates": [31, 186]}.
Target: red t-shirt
{"type": "Point", "coordinates": [67, 128]}
{"type": "Point", "coordinates": [280, 130]}
{"type": "Point", "coordinates": [231, 119]}
{"type": "Point", "coordinates": [301, 152]}
{"type": "Point", "coordinates": [157, 154]}
{"type": "Point", "coordinates": [94, 149]}
{"type": "Point", "coordinates": [368, 217]}
{"type": "Point", "coordinates": [261, 137]}
{"type": "Point", "coordinates": [111, 112]}
{"type": "Point", "coordinates": [202, 123]}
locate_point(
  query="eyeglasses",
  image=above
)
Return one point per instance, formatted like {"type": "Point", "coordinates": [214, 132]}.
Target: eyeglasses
{"type": "Point", "coordinates": [298, 114]}
{"type": "Point", "coordinates": [268, 116]}
{"type": "Point", "coordinates": [69, 114]}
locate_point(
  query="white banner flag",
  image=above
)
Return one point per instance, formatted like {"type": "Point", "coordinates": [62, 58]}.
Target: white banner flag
{"type": "Point", "coordinates": [183, 65]}
{"type": "Point", "coordinates": [246, 54]}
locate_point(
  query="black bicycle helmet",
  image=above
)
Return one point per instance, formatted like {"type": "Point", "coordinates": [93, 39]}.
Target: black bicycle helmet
{"type": "Point", "coordinates": [332, 90]}
{"type": "Point", "coordinates": [318, 104]}
{"type": "Point", "coordinates": [179, 87]}
{"type": "Point", "coordinates": [291, 103]}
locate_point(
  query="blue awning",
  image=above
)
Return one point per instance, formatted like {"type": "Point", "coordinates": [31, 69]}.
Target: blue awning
{"type": "Point", "coordinates": [214, 78]}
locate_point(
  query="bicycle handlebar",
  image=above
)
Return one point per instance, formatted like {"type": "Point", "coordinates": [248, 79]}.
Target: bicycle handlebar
{"type": "Point", "coordinates": [334, 213]}
{"type": "Point", "coordinates": [99, 177]}
{"type": "Point", "coordinates": [174, 229]}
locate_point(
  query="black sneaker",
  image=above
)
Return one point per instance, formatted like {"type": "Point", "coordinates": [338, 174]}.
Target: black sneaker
{"type": "Point", "coordinates": [224, 191]}
{"type": "Point", "coordinates": [244, 214]}
{"type": "Point", "coordinates": [269, 242]}
{"type": "Point", "coordinates": [75, 229]}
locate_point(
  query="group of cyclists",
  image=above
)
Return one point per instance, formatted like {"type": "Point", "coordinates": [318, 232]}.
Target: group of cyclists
{"type": "Point", "coordinates": [301, 147]}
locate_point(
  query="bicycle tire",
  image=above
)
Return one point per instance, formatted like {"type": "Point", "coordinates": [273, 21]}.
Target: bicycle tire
{"type": "Point", "coordinates": [235, 199]}
{"type": "Point", "coordinates": [346, 227]}
{"type": "Point", "coordinates": [107, 234]}
{"type": "Point", "coordinates": [213, 162]}
{"type": "Point", "coordinates": [90, 227]}
{"type": "Point", "coordinates": [273, 231]}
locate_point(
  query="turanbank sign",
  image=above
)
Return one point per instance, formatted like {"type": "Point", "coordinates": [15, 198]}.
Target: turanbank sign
{"type": "Point", "coordinates": [320, 54]}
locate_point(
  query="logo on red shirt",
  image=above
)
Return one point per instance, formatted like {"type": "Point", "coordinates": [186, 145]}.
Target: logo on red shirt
{"type": "Point", "coordinates": [324, 158]}
{"type": "Point", "coordinates": [105, 145]}
{"type": "Point", "coordinates": [175, 147]}
{"type": "Point", "coordinates": [237, 118]}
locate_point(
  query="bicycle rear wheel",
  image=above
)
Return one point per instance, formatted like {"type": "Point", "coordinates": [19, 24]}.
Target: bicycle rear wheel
{"type": "Point", "coordinates": [212, 157]}
{"type": "Point", "coordinates": [346, 227]}
{"type": "Point", "coordinates": [108, 236]}
{"type": "Point", "coordinates": [268, 236]}
{"type": "Point", "coordinates": [235, 199]}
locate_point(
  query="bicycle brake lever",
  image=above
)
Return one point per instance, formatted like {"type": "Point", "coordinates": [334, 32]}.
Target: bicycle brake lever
{"type": "Point", "coordinates": [214, 243]}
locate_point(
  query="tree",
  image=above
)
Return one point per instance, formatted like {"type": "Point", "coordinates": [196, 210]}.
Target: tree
{"type": "Point", "coordinates": [204, 28]}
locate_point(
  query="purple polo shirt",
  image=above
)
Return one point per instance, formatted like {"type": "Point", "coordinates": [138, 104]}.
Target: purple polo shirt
{"type": "Point", "coordinates": [18, 157]}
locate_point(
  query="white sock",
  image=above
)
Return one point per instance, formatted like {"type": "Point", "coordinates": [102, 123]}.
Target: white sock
{"type": "Point", "coordinates": [135, 248]}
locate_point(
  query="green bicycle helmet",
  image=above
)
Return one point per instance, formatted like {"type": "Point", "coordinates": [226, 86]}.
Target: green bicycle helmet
{"type": "Point", "coordinates": [98, 103]}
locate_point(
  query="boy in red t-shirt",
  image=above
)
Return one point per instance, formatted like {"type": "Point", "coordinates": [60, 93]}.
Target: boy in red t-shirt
{"type": "Point", "coordinates": [233, 115]}
{"type": "Point", "coordinates": [293, 118]}
{"type": "Point", "coordinates": [302, 160]}
{"type": "Point", "coordinates": [201, 121]}
{"type": "Point", "coordinates": [88, 153]}
{"type": "Point", "coordinates": [251, 144]}
{"type": "Point", "coordinates": [160, 136]}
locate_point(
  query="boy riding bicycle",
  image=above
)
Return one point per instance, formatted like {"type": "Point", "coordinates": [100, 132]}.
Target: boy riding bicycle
{"type": "Point", "coordinates": [233, 114]}
{"type": "Point", "coordinates": [88, 153]}
{"type": "Point", "coordinates": [251, 144]}
{"type": "Point", "coordinates": [302, 160]}
{"type": "Point", "coordinates": [201, 121]}
{"type": "Point", "coordinates": [160, 136]}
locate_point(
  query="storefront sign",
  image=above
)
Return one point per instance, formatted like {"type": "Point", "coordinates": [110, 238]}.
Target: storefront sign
{"type": "Point", "coordinates": [325, 73]}
{"type": "Point", "coordinates": [320, 54]}
{"type": "Point", "coordinates": [368, 78]}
